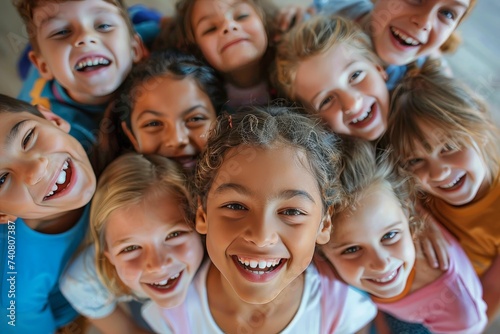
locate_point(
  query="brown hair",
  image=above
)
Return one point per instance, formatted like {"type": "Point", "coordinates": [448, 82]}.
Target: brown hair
{"type": "Point", "coordinates": [264, 127]}
{"type": "Point", "coordinates": [427, 96]}
{"type": "Point", "coordinates": [26, 9]}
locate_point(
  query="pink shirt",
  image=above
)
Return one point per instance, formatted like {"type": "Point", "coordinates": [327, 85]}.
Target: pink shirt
{"type": "Point", "coordinates": [451, 304]}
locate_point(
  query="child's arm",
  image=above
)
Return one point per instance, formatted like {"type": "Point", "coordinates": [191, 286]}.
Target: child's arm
{"type": "Point", "coordinates": [118, 322]}
{"type": "Point", "coordinates": [432, 241]}
{"type": "Point", "coordinates": [491, 289]}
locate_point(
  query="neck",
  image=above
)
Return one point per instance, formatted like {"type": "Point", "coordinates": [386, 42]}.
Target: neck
{"type": "Point", "coordinates": [55, 224]}
{"type": "Point", "coordinates": [89, 99]}
{"type": "Point", "coordinates": [232, 314]}
{"type": "Point", "coordinates": [245, 77]}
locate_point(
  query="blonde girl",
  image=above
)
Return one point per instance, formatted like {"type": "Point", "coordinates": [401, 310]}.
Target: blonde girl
{"type": "Point", "coordinates": [144, 244]}
{"type": "Point", "coordinates": [443, 134]}
{"type": "Point", "coordinates": [328, 65]}
{"type": "Point", "coordinates": [374, 247]}
{"type": "Point", "coordinates": [266, 184]}
{"type": "Point", "coordinates": [233, 37]}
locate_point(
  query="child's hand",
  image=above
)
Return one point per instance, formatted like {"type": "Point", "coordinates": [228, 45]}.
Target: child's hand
{"type": "Point", "coordinates": [433, 243]}
{"type": "Point", "coordinates": [289, 16]}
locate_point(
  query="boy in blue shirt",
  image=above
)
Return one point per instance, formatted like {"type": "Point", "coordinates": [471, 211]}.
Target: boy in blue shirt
{"type": "Point", "coordinates": [47, 180]}
{"type": "Point", "coordinates": [82, 52]}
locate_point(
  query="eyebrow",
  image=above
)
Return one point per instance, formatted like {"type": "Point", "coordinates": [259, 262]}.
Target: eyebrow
{"type": "Point", "coordinates": [14, 132]}
{"type": "Point", "coordinates": [157, 113]}
{"type": "Point", "coordinates": [335, 246]}
{"type": "Point", "coordinates": [285, 194]}
{"type": "Point", "coordinates": [321, 92]}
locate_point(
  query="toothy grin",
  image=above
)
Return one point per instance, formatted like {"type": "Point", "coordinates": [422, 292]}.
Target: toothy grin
{"type": "Point", "coordinates": [403, 38]}
{"type": "Point", "coordinates": [60, 182]}
{"type": "Point", "coordinates": [91, 62]}
{"type": "Point", "coordinates": [165, 283]}
{"type": "Point", "coordinates": [267, 265]}
{"type": "Point", "coordinates": [452, 183]}
{"type": "Point", "coordinates": [386, 279]}
{"type": "Point", "coordinates": [362, 117]}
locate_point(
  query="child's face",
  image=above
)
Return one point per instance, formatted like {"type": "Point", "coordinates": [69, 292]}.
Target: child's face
{"type": "Point", "coordinates": [347, 91]}
{"type": "Point", "coordinates": [44, 172]}
{"type": "Point", "coordinates": [86, 46]}
{"type": "Point", "coordinates": [372, 248]}
{"type": "Point", "coordinates": [263, 220]}
{"type": "Point", "coordinates": [229, 33]}
{"type": "Point", "coordinates": [458, 175]}
{"type": "Point", "coordinates": [403, 31]}
{"type": "Point", "coordinates": [153, 250]}
{"type": "Point", "coordinates": [171, 118]}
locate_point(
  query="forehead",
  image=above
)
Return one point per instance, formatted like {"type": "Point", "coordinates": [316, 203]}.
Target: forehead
{"type": "Point", "coordinates": [206, 8]}
{"type": "Point", "coordinates": [50, 11]}
{"type": "Point", "coordinates": [267, 171]}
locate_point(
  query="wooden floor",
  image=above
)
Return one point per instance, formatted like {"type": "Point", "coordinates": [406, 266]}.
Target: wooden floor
{"type": "Point", "coordinates": [477, 61]}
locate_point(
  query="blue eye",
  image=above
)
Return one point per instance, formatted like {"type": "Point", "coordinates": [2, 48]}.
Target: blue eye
{"type": "Point", "coordinates": [355, 75]}
{"type": "Point", "coordinates": [3, 179]}
{"type": "Point", "coordinates": [390, 235]}
{"type": "Point", "coordinates": [448, 14]}
{"type": "Point", "coordinates": [104, 26]}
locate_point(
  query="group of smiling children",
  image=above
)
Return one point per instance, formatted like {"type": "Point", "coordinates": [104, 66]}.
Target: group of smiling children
{"type": "Point", "coordinates": [221, 211]}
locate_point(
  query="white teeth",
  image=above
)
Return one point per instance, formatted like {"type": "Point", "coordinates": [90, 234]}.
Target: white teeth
{"type": "Point", "coordinates": [404, 37]}
{"type": "Point", "coordinates": [262, 264]}
{"type": "Point", "coordinates": [253, 264]}
{"type": "Point", "coordinates": [362, 117]}
{"type": "Point", "coordinates": [65, 166]}
{"type": "Point", "coordinates": [175, 276]}
{"type": "Point", "coordinates": [91, 62]}
{"type": "Point", "coordinates": [61, 179]}
{"type": "Point", "coordinates": [54, 187]}
{"type": "Point", "coordinates": [386, 279]}
{"type": "Point", "coordinates": [452, 183]}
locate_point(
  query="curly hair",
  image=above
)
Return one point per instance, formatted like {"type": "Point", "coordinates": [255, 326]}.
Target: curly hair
{"type": "Point", "coordinates": [264, 127]}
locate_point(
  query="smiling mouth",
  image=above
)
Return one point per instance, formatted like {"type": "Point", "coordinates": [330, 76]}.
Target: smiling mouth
{"type": "Point", "coordinates": [453, 184]}
{"type": "Point", "coordinates": [63, 180]}
{"type": "Point", "coordinates": [386, 279]}
{"type": "Point", "coordinates": [366, 116]}
{"type": "Point", "coordinates": [91, 64]}
{"type": "Point", "coordinates": [166, 284]}
{"type": "Point", "coordinates": [404, 39]}
{"type": "Point", "coordinates": [259, 267]}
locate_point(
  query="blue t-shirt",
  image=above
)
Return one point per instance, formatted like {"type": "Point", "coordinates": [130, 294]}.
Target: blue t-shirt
{"type": "Point", "coordinates": [31, 264]}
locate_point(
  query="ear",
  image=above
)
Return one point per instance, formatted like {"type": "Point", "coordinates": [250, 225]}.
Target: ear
{"type": "Point", "coordinates": [382, 72]}
{"type": "Point", "coordinates": [41, 65]}
{"type": "Point", "coordinates": [55, 119]}
{"type": "Point", "coordinates": [325, 228]}
{"type": "Point", "coordinates": [139, 50]}
{"type": "Point", "coordinates": [130, 136]}
{"type": "Point", "coordinates": [5, 218]}
{"type": "Point", "coordinates": [201, 219]}
{"type": "Point", "coordinates": [109, 257]}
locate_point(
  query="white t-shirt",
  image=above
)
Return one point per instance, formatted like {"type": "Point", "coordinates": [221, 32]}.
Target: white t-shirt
{"type": "Point", "coordinates": [357, 311]}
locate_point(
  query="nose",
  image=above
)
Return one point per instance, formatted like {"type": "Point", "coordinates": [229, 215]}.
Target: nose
{"type": "Point", "coordinates": [85, 37]}
{"type": "Point", "coordinates": [379, 260]}
{"type": "Point", "coordinates": [34, 170]}
{"type": "Point", "coordinates": [178, 137]}
{"type": "Point", "coordinates": [350, 101]}
{"type": "Point", "coordinates": [261, 232]}
{"type": "Point", "coordinates": [438, 171]}
{"type": "Point", "coordinates": [422, 19]}
{"type": "Point", "coordinates": [230, 25]}
{"type": "Point", "coordinates": [156, 259]}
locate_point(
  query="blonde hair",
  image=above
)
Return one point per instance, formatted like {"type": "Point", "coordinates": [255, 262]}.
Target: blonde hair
{"type": "Point", "coordinates": [129, 180]}
{"type": "Point", "coordinates": [427, 96]}
{"type": "Point", "coordinates": [363, 170]}
{"type": "Point", "coordinates": [314, 37]}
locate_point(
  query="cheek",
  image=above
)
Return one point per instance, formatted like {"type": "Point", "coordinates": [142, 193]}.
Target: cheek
{"type": "Point", "coordinates": [127, 270]}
